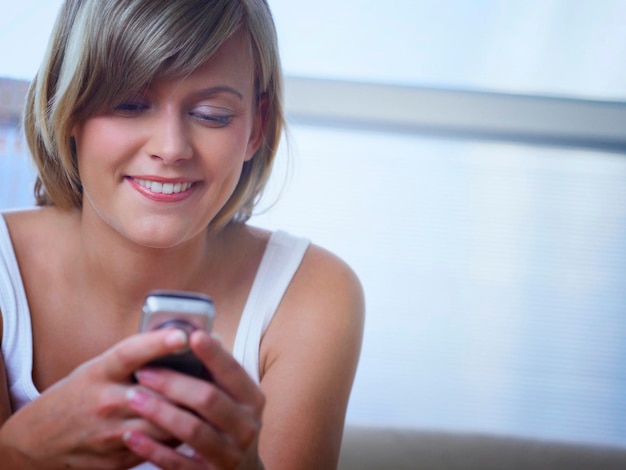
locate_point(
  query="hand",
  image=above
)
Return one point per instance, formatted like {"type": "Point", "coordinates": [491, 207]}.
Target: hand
{"type": "Point", "coordinates": [219, 420]}
{"type": "Point", "coordinates": [81, 420]}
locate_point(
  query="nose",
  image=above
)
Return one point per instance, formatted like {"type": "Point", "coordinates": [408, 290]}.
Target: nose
{"type": "Point", "coordinates": [169, 137]}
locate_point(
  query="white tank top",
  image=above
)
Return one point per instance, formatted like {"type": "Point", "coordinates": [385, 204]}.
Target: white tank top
{"type": "Point", "coordinates": [280, 262]}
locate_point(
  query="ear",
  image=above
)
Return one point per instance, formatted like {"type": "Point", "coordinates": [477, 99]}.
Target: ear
{"type": "Point", "coordinates": [259, 121]}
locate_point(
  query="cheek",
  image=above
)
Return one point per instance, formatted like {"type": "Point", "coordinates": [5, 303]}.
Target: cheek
{"type": "Point", "coordinates": [100, 142]}
{"type": "Point", "coordinates": [224, 152]}
{"type": "Point", "coordinates": [226, 164]}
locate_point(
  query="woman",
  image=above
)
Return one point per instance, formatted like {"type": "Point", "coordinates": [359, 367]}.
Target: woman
{"type": "Point", "coordinates": [153, 125]}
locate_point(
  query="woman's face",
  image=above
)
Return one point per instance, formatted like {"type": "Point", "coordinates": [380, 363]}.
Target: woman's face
{"type": "Point", "coordinates": [158, 167]}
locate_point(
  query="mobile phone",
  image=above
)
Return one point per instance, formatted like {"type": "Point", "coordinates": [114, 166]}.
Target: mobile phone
{"type": "Point", "coordinates": [187, 311]}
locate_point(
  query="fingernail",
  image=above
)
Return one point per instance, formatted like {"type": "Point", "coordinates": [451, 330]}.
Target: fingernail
{"type": "Point", "coordinates": [128, 437]}
{"type": "Point", "coordinates": [177, 338]}
{"type": "Point", "coordinates": [146, 376]}
{"type": "Point", "coordinates": [131, 394]}
{"type": "Point", "coordinates": [136, 398]}
{"type": "Point", "coordinates": [217, 337]}
{"type": "Point", "coordinates": [132, 439]}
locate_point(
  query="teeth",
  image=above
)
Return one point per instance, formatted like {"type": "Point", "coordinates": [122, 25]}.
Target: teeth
{"type": "Point", "coordinates": [165, 188]}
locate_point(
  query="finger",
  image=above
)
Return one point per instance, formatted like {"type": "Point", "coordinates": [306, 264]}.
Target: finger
{"type": "Point", "coordinates": [119, 362]}
{"type": "Point", "coordinates": [186, 427]}
{"type": "Point", "coordinates": [227, 372]}
{"type": "Point", "coordinates": [112, 402]}
{"type": "Point", "coordinates": [139, 423]}
{"type": "Point", "coordinates": [163, 456]}
{"type": "Point", "coordinates": [207, 401]}
{"type": "Point", "coordinates": [151, 430]}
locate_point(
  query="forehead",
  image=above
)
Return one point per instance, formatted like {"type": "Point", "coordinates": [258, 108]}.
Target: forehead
{"type": "Point", "coordinates": [231, 64]}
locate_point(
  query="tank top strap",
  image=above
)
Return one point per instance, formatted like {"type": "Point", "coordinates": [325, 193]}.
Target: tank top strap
{"type": "Point", "coordinates": [17, 338]}
{"type": "Point", "coordinates": [281, 260]}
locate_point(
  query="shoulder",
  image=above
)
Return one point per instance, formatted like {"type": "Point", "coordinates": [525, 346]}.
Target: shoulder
{"type": "Point", "coordinates": [41, 239]}
{"type": "Point", "coordinates": [35, 234]}
{"type": "Point", "coordinates": [322, 279]}
{"type": "Point", "coordinates": [36, 215]}
{"type": "Point", "coordinates": [32, 227]}
{"type": "Point", "coordinates": [329, 299]}
{"type": "Point", "coordinates": [324, 303]}
{"type": "Point", "coordinates": [325, 277]}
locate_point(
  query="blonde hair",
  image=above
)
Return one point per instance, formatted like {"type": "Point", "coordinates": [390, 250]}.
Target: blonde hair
{"type": "Point", "coordinates": [104, 51]}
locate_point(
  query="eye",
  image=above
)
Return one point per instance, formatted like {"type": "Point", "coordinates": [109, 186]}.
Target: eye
{"type": "Point", "coordinates": [213, 117]}
{"type": "Point", "coordinates": [132, 106]}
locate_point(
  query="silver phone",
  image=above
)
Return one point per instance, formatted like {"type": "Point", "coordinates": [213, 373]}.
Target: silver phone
{"type": "Point", "coordinates": [187, 311]}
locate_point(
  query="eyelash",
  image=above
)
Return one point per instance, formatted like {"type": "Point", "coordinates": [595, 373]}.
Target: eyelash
{"type": "Point", "coordinates": [220, 120]}
{"type": "Point", "coordinates": [217, 120]}
{"type": "Point", "coordinates": [131, 107]}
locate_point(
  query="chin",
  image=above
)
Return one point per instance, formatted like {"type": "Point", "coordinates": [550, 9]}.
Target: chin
{"type": "Point", "coordinates": [161, 241]}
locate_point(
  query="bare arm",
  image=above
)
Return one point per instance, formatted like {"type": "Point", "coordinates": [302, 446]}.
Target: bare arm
{"type": "Point", "coordinates": [11, 460]}
{"type": "Point", "coordinates": [5, 406]}
{"type": "Point", "coordinates": [311, 353]}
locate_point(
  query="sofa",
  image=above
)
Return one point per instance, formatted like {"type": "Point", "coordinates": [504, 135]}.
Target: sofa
{"type": "Point", "coordinates": [369, 448]}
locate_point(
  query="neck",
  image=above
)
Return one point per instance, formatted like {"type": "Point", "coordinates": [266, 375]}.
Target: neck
{"type": "Point", "coordinates": [114, 270]}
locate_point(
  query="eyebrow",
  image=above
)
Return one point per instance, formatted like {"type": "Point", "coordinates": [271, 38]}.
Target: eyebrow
{"type": "Point", "coordinates": [216, 90]}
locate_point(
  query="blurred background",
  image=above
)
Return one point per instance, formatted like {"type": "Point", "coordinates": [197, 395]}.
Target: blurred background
{"type": "Point", "coordinates": [468, 159]}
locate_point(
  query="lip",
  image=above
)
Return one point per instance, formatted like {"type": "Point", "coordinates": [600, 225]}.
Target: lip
{"type": "Point", "coordinates": [136, 183]}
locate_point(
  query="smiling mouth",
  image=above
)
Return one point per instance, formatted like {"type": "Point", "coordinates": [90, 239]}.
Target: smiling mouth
{"type": "Point", "coordinates": [163, 188]}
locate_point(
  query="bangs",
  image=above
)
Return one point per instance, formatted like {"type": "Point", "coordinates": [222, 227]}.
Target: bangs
{"type": "Point", "coordinates": [134, 43]}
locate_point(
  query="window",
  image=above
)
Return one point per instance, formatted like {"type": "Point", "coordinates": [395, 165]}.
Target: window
{"type": "Point", "coordinates": [493, 275]}
{"type": "Point", "coordinates": [571, 48]}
